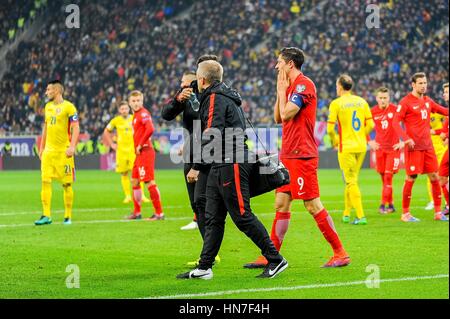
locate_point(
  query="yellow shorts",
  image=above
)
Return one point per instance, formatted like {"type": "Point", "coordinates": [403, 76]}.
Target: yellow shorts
{"type": "Point", "coordinates": [439, 149]}
{"type": "Point", "coordinates": [124, 162]}
{"type": "Point", "coordinates": [350, 164]}
{"type": "Point", "coordinates": [57, 166]}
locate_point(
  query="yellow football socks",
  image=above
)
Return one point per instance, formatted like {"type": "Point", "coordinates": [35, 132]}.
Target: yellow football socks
{"type": "Point", "coordinates": [46, 198]}
{"type": "Point", "coordinates": [126, 186]}
{"type": "Point", "coordinates": [355, 196]}
{"type": "Point", "coordinates": [68, 201]}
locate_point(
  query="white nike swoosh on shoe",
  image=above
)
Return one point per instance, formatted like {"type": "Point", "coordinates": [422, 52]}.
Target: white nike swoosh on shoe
{"type": "Point", "coordinates": [272, 272]}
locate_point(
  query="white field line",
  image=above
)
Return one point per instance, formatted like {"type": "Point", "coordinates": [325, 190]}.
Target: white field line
{"type": "Point", "coordinates": [116, 221]}
{"type": "Point", "coordinates": [294, 288]}
{"type": "Point", "coordinates": [104, 221]}
{"type": "Point", "coordinates": [187, 206]}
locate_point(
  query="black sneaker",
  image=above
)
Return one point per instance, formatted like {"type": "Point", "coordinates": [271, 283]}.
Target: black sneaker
{"type": "Point", "coordinates": [273, 269]}
{"type": "Point", "coordinates": [197, 274]}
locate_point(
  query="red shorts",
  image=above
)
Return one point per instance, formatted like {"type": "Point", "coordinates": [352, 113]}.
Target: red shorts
{"type": "Point", "coordinates": [144, 166]}
{"type": "Point", "coordinates": [303, 175]}
{"type": "Point", "coordinates": [443, 169]}
{"type": "Point", "coordinates": [420, 162]}
{"type": "Point", "coordinates": [388, 161]}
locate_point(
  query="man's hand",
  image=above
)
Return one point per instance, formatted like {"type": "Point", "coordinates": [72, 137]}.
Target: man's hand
{"type": "Point", "coordinates": [443, 136]}
{"type": "Point", "coordinates": [282, 82]}
{"type": "Point", "coordinates": [184, 95]}
{"type": "Point", "coordinates": [192, 176]}
{"type": "Point", "coordinates": [432, 132]}
{"type": "Point", "coordinates": [400, 145]}
{"type": "Point", "coordinates": [138, 149]}
{"type": "Point", "coordinates": [446, 142]}
{"type": "Point", "coordinates": [410, 143]}
{"type": "Point", "coordinates": [70, 151]}
{"type": "Point", "coordinates": [113, 146]}
{"type": "Point", "coordinates": [374, 145]}
{"type": "Point", "coordinates": [180, 151]}
{"type": "Point", "coordinates": [40, 154]}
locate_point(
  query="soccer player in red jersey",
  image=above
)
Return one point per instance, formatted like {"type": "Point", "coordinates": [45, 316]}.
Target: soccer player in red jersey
{"type": "Point", "coordinates": [414, 111]}
{"type": "Point", "coordinates": [296, 108]}
{"type": "Point", "coordinates": [144, 164]}
{"type": "Point", "coordinates": [387, 159]}
{"type": "Point", "coordinates": [443, 168]}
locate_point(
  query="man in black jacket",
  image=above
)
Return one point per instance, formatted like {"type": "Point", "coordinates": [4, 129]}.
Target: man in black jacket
{"type": "Point", "coordinates": [197, 185]}
{"type": "Point", "coordinates": [179, 105]}
{"type": "Point", "coordinates": [223, 145]}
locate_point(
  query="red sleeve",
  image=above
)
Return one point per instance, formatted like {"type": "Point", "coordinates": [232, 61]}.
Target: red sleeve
{"type": "Point", "coordinates": [445, 127]}
{"type": "Point", "coordinates": [399, 117]}
{"type": "Point", "coordinates": [148, 124]}
{"type": "Point", "coordinates": [436, 108]}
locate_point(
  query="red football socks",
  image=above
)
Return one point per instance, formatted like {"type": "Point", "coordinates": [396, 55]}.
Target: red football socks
{"type": "Point", "coordinates": [156, 198]}
{"type": "Point", "coordinates": [326, 226]}
{"type": "Point", "coordinates": [137, 199]}
{"type": "Point", "coordinates": [437, 197]}
{"type": "Point", "coordinates": [387, 188]}
{"type": "Point", "coordinates": [445, 191]}
{"type": "Point", "coordinates": [407, 190]}
{"type": "Point", "coordinates": [279, 228]}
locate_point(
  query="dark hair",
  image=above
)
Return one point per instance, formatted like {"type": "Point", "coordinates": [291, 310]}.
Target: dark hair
{"type": "Point", "coordinates": [207, 57]}
{"type": "Point", "coordinates": [418, 75]}
{"type": "Point", "coordinates": [445, 85]}
{"type": "Point", "coordinates": [55, 82]}
{"type": "Point", "coordinates": [293, 54]}
{"type": "Point", "coordinates": [346, 82]}
{"type": "Point", "coordinates": [382, 89]}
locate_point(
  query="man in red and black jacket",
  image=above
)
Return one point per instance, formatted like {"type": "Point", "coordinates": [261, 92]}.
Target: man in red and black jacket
{"type": "Point", "coordinates": [223, 146]}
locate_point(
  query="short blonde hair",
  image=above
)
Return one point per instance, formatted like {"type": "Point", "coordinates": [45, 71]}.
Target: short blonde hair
{"type": "Point", "coordinates": [136, 93]}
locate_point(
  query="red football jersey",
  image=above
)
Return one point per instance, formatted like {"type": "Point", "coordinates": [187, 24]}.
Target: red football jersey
{"type": "Point", "coordinates": [298, 133]}
{"type": "Point", "coordinates": [415, 112]}
{"type": "Point", "coordinates": [445, 127]}
{"type": "Point", "coordinates": [385, 134]}
{"type": "Point", "coordinates": [142, 128]}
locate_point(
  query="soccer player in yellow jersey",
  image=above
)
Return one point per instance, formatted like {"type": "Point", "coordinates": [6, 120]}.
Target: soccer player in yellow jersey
{"type": "Point", "coordinates": [124, 147]}
{"type": "Point", "coordinates": [436, 122]}
{"type": "Point", "coordinates": [352, 115]}
{"type": "Point", "coordinates": [59, 139]}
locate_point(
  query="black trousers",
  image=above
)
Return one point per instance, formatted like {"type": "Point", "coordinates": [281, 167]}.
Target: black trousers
{"type": "Point", "coordinates": [190, 186]}
{"type": "Point", "coordinates": [200, 198]}
{"type": "Point", "coordinates": [197, 194]}
{"type": "Point", "coordinates": [228, 190]}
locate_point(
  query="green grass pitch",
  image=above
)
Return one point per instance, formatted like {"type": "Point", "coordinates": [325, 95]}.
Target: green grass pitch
{"type": "Point", "coordinates": [141, 259]}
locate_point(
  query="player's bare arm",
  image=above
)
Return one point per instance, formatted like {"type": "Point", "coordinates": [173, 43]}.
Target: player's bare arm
{"type": "Point", "coordinates": [75, 129]}
{"type": "Point", "coordinates": [373, 145]}
{"type": "Point", "coordinates": [108, 139]}
{"type": "Point", "coordinates": [44, 136]}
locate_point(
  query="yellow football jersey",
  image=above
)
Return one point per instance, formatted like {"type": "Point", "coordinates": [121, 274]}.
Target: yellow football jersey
{"type": "Point", "coordinates": [124, 128]}
{"type": "Point", "coordinates": [354, 119]}
{"type": "Point", "coordinates": [437, 121]}
{"type": "Point", "coordinates": [57, 120]}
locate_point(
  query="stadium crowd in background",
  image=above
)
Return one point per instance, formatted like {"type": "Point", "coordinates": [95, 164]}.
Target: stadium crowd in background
{"type": "Point", "coordinates": [148, 46]}
{"type": "Point", "coordinates": [14, 16]}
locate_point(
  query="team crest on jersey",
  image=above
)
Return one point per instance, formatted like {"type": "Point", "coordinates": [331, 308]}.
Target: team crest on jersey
{"type": "Point", "coordinates": [58, 110]}
{"type": "Point", "coordinates": [300, 88]}
{"type": "Point", "coordinates": [390, 115]}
